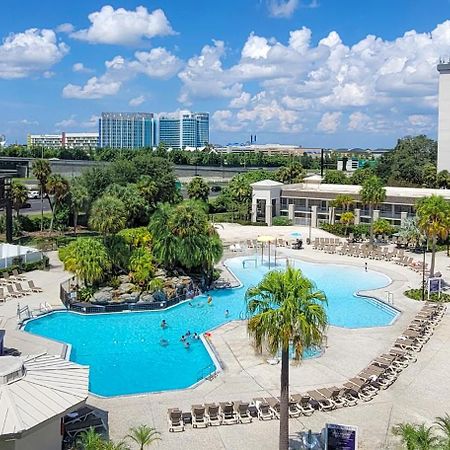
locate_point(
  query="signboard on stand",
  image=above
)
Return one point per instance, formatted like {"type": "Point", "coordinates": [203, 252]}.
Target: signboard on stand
{"type": "Point", "coordinates": [434, 286]}
{"type": "Point", "coordinates": [341, 437]}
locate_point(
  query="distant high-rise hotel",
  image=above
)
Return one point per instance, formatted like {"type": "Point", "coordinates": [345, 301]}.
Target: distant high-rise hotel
{"type": "Point", "coordinates": [126, 130]}
{"type": "Point", "coordinates": [184, 130]}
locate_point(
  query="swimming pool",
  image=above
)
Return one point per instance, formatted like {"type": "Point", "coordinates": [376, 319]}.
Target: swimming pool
{"type": "Point", "coordinates": [124, 352]}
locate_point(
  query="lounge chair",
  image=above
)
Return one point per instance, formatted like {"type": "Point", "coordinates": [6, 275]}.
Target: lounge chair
{"type": "Point", "coordinates": [175, 419]}
{"type": "Point", "coordinates": [74, 429]}
{"type": "Point", "coordinates": [274, 406]}
{"type": "Point", "coordinates": [2, 295]}
{"type": "Point", "coordinates": [12, 292]}
{"type": "Point", "coordinates": [17, 276]}
{"type": "Point", "coordinates": [242, 411]}
{"type": "Point", "coordinates": [20, 289]}
{"type": "Point", "coordinates": [294, 410]}
{"type": "Point", "coordinates": [32, 286]}
{"type": "Point", "coordinates": [199, 420]}
{"type": "Point", "coordinates": [303, 404]}
{"type": "Point", "coordinates": [336, 395]}
{"type": "Point", "coordinates": [212, 413]}
{"type": "Point", "coordinates": [322, 401]}
{"type": "Point", "coordinates": [80, 415]}
{"type": "Point", "coordinates": [229, 416]}
{"type": "Point", "coordinates": [264, 411]}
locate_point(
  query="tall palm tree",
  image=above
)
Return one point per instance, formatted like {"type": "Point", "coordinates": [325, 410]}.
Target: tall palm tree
{"type": "Point", "coordinates": [19, 195]}
{"type": "Point", "coordinates": [434, 221]}
{"type": "Point", "coordinates": [198, 189]}
{"type": "Point", "coordinates": [143, 436]}
{"type": "Point", "coordinates": [344, 201]}
{"type": "Point", "coordinates": [79, 197]}
{"type": "Point", "coordinates": [41, 170]}
{"type": "Point", "coordinates": [286, 309]}
{"type": "Point", "coordinates": [372, 194]}
{"type": "Point", "coordinates": [108, 215]}
{"type": "Point", "coordinates": [347, 218]}
{"type": "Point", "coordinates": [443, 424]}
{"type": "Point", "coordinates": [57, 188]}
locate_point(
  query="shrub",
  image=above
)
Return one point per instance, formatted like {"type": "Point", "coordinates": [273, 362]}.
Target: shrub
{"type": "Point", "coordinates": [416, 294]}
{"type": "Point", "coordinates": [281, 221]}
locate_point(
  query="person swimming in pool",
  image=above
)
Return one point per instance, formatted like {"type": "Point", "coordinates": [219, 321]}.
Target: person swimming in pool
{"type": "Point", "coordinates": [164, 342]}
{"type": "Point", "coordinates": [210, 300]}
{"type": "Point", "coordinates": [186, 345]}
{"type": "Point", "coordinates": [227, 313]}
{"type": "Point", "coordinates": [163, 324]}
{"type": "Point", "coordinates": [182, 338]}
{"type": "Point", "coordinates": [195, 336]}
{"type": "Point", "coordinates": [188, 333]}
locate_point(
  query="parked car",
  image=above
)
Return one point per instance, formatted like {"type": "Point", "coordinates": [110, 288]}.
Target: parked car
{"type": "Point", "coordinates": [25, 205]}
{"type": "Point", "coordinates": [33, 194]}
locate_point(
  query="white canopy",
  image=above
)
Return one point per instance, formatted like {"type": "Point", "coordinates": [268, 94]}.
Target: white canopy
{"type": "Point", "coordinates": [35, 389]}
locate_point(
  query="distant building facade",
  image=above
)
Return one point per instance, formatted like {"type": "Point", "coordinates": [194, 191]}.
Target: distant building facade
{"type": "Point", "coordinates": [127, 130]}
{"type": "Point", "coordinates": [269, 149]}
{"type": "Point", "coordinates": [443, 162]}
{"type": "Point", "coordinates": [63, 140]}
{"type": "Point", "coordinates": [183, 130]}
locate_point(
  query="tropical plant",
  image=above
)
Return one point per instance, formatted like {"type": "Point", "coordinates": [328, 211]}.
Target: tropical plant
{"type": "Point", "coordinates": [108, 215]}
{"type": "Point", "coordinates": [198, 189]}
{"type": "Point", "coordinates": [87, 258]}
{"type": "Point", "coordinates": [410, 231]}
{"type": "Point", "coordinates": [143, 436]}
{"type": "Point", "coordinates": [141, 266]}
{"type": "Point", "coordinates": [434, 222]}
{"type": "Point", "coordinates": [156, 285]}
{"type": "Point", "coordinates": [372, 194]}
{"type": "Point", "coordinates": [57, 189]}
{"type": "Point", "coordinates": [148, 189]}
{"type": "Point", "coordinates": [383, 226]}
{"type": "Point", "coordinates": [89, 440]}
{"type": "Point", "coordinates": [19, 195]}
{"type": "Point", "coordinates": [292, 173]}
{"type": "Point", "coordinates": [335, 177]}
{"type": "Point", "coordinates": [429, 175]}
{"type": "Point", "coordinates": [443, 425]}
{"type": "Point", "coordinates": [136, 237]}
{"type": "Point", "coordinates": [79, 198]}
{"type": "Point", "coordinates": [41, 170]}
{"type": "Point", "coordinates": [344, 201]}
{"type": "Point", "coordinates": [285, 309]}
{"type": "Point", "coordinates": [417, 437]}
{"type": "Point", "coordinates": [347, 218]}
{"type": "Point", "coordinates": [443, 179]}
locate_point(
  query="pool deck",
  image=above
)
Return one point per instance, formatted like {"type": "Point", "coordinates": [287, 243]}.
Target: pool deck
{"type": "Point", "coordinates": [421, 392]}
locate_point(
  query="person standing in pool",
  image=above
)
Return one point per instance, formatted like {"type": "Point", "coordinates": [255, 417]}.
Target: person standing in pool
{"type": "Point", "coordinates": [210, 300]}
{"type": "Point", "coordinates": [227, 313]}
{"type": "Point", "coordinates": [163, 324]}
{"type": "Point", "coordinates": [365, 266]}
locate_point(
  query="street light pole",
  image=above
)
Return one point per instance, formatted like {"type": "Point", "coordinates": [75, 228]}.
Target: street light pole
{"type": "Point", "coordinates": [423, 271]}
{"type": "Point", "coordinates": [310, 226]}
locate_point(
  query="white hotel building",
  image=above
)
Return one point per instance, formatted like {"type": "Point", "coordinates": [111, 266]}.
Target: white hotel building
{"type": "Point", "coordinates": [64, 140]}
{"type": "Point", "coordinates": [310, 202]}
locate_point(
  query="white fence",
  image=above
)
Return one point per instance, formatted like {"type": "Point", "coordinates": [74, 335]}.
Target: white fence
{"type": "Point", "coordinates": [11, 255]}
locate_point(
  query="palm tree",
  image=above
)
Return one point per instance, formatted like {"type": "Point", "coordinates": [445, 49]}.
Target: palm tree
{"type": "Point", "coordinates": [286, 309]}
{"type": "Point", "coordinates": [372, 194]}
{"type": "Point", "coordinates": [79, 197]}
{"type": "Point", "coordinates": [143, 436]}
{"type": "Point", "coordinates": [198, 189]}
{"type": "Point", "coordinates": [347, 218]}
{"type": "Point", "coordinates": [89, 440]}
{"type": "Point", "coordinates": [343, 201]}
{"type": "Point", "coordinates": [111, 445]}
{"type": "Point", "coordinates": [417, 437]}
{"type": "Point", "coordinates": [19, 195]}
{"type": "Point", "coordinates": [443, 424]}
{"type": "Point", "coordinates": [433, 213]}
{"type": "Point", "coordinates": [57, 188]}
{"type": "Point", "coordinates": [41, 170]}
{"type": "Point", "coordinates": [108, 215]}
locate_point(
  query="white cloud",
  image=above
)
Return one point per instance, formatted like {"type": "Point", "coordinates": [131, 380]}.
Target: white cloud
{"type": "Point", "coordinates": [157, 63]}
{"type": "Point", "coordinates": [282, 8]}
{"type": "Point", "coordinates": [71, 122]}
{"type": "Point", "coordinates": [31, 52]}
{"type": "Point", "coordinates": [375, 83]}
{"type": "Point", "coordinates": [124, 27]}
{"type": "Point", "coordinates": [136, 101]}
{"type": "Point", "coordinates": [329, 122]}
{"type": "Point", "coordinates": [80, 67]}
{"type": "Point", "coordinates": [93, 89]}
{"type": "Point", "coordinates": [65, 28]}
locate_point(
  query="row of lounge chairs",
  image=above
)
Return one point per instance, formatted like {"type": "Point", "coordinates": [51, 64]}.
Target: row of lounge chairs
{"type": "Point", "coordinates": [16, 290]}
{"type": "Point", "coordinates": [81, 421]}
{"type": "Point", "coordinates": [381, 373]}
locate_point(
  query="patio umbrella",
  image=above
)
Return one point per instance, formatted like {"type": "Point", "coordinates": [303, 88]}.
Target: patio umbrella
{"type": "Point", "coordinates": [296, 234]}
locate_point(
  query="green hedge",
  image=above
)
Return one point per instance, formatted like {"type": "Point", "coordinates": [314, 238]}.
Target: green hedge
{"type": "Point", "coordinates": [339, 229]}
{"type": "Point", "coordinates": [282, 221]}
{"type": "Point", "coordinates": [27, 267]}
{"type": "Point", "coordinates": [416, 294]}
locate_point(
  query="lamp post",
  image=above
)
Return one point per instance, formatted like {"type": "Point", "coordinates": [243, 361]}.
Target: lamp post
{"type": "Point", "coordinates": [423, 269]}
{"type": "Point", "coordinates": [310, 226]}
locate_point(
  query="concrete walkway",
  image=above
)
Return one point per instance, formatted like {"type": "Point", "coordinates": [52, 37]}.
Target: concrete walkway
{"type": "Point", "coordinates": [420, 393]}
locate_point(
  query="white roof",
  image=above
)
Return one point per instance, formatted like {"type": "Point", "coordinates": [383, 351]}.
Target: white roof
{"type": "Point", "coordinates": [391, 191]}
{"type": "Point", "coordinates": [49, 387]}
{"type": "Point", "coordinates": [266, 183]}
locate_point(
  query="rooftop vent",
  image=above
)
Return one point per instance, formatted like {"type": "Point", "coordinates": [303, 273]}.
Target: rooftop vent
{"type": "Point", "coordinates": [11, 369]}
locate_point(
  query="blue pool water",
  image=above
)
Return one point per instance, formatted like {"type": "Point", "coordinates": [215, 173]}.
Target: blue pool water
{"type": "Point", "coordinates": [123, 349]}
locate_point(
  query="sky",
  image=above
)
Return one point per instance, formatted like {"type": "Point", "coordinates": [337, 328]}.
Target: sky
{"type": "Point", "coordinates": [321, 73]}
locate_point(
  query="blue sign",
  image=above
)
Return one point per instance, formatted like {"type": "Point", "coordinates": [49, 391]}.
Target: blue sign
{"type": "Point", "coordinates": [434, 285]}
{"type": "Point", "coordinates": [341, 437]}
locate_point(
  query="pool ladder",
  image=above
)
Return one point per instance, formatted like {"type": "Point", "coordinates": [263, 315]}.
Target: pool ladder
{"type": "Point", "coordinates": [202, 373]}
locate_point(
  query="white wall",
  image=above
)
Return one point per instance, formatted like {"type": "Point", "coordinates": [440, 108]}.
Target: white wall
{"type": "Point", "coordinates": [444, 118]}
{"type": "Point", "coordinates": [47, 437]}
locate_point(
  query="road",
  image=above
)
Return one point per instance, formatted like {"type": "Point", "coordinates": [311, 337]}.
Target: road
{"type": "Point", "coordinates": [36, 206]}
